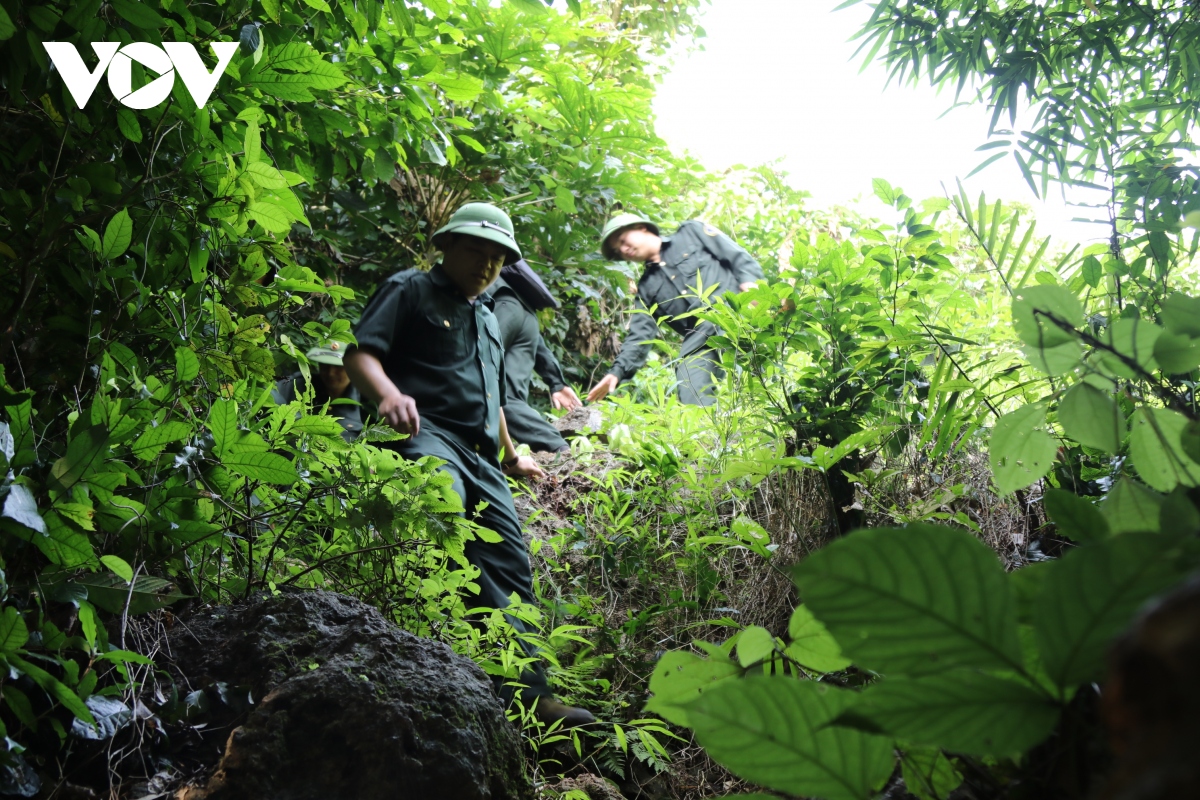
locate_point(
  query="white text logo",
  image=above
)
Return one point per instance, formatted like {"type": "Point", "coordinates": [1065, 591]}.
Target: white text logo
{"type": "Point", "coordinates": [164, 61]}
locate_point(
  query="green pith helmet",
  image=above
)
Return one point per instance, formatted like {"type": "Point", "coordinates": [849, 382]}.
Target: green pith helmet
{"type": "Point", "coordinates": [617, 224]}
{"type": "Point", "coordinates": [332, 353]}
{"type": "Point", "coordinates": [485, 221]}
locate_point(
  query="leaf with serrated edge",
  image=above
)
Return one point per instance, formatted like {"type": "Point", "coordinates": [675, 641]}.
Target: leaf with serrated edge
{"type": "Point", "coordinates": [919, 599]}
{"type": "Point", "coordinates": [774, 732]}
{"type": "Point", "coordinates": [1089, 596]}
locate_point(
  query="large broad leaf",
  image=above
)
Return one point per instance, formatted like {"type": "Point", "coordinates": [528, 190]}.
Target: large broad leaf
{"type": "Point", "coordinates": [775, 732]}
{"type": "Point", "coordinates": [13, 633]}
{"type": "Point", "coordinates": [111, 592]}
{"type": "Point", "coordinates": [1133, 341]}
{"type": "Point", "coordinates": [153, 440]}
{"type": "Point", "coordinates": [963, 711]}
{"type": "Point", "coordinates": [680, 677]}
{"type": "Point", "coordinates": [919, 599]}
{"type": "Point", "coordinates": [1020, 453]}
{"type": "Point", "coordinates": [222, 422]}
{"type": "Point", "coordinates": [812, 645]}
{"type": "Point", "coordinates": [1076, 517]}
{"type": "Point", "coordinates": [1036, 311]}
{"type": "Point", "coordinates": [1181, 314]}
{"type": "Point", "coordinates": [266, 467]}
{"type": "Point", "coordinates": [1156, 449]}
{"type": "Point", "coordinates": [85, 453]}
{"type": "Point", "coordinates": [1089, 596]}
{"type": "Point", "coordinates": [1092, 418]}
{"type": "Point", "coordinates": [1131, 507]}
{"type": "Point", "coordinates": [1177, 353]}
{"type": "Point", "coordinates": [64, 545]}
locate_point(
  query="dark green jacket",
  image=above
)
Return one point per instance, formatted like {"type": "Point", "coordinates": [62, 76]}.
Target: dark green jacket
{"type": "Point", "coordinates": [695, 258]}
{"type": "Point", "coordinates": [348, 414]}
{"type": "Point", "coordinates": [525, 352]}
{"type": "Point", "coordinates": [442, 351]}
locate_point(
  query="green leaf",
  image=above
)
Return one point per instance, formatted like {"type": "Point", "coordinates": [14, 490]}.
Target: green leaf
{"type": "Point", "coordinates": [1135, 340]}
{"type": "Point", "coordinates": [21, 506]}
{"type": "Point", "coordinates": [119, 566]}
{"type": "Point", "coordinates": [1190, 441]}
{"type": "Point", "coordinates": [811, 643]}
{"type": "Point", "coordinates": [1156, 449]}
{"type": "Point", "coordinates": [266, 467]}
{"type": "Point", "coordinates": [64, 545]}
{"type": "Point", "coordinates": [85, 454]}
{"type": "Point", "coordinates": [963, 711]}
{"type": "Point", "coordinates": [127, 121]}
{"type": "Point", "coordinates": [13, 633]}
{"type": "Point", "coordinates": [1176, 353]}
{"type": "Point", "coordinates": [928, 774]}
{"type": "Point", "coordinates": [1057, 360]}
{"type": "Point", "coordinates": [7, 29]}
{"type": "Point", "coordinates": [54, 688]}
{"type": "Point", "coordinates": [1076, 517]}
{"type": "Point", "coordinates": [775, 732]}
{"type": "Point", "coordinates": [754, 644]}
{"type": "Point", "coordinates": [318, 425]}
{"type": "Point", "coordinates": [1092, 272]}
{"type": "Point", "coordinates": [111, 592]}
{"type": "Point", "coordinates": [564, 199]}
{"type": "Point", "coordinates": [919, 599]}
{"type": "Point", "coordinates": [472, 143]}
{"type": "Point", "coordinates": [883, 190]}
{"type": "Point", "coordinates": [1131, 508]}
{"type": "Point", "coordinates": [252, 142]}
{"type": "Point", "coordinates": [1020, 454]}
{"type": "Point", "coordinates": [1181, 314]}
{"type": "Point", "coordinates": [1092, 418]}
{"type": "Point", "coordinates": [266, 176]}
{"type": "Point", "coordinates": [1089, 596]}
{"type": "Point", "coordinates": [273, 217]}
{"type": "Point", "coordinates": [140, 14]}
{"type": "Point", "coordinates": [320, 5]}
{"type": "Point", "coordinates": [286, 86]}
{"type": "Point", "coordinates": [187, 366]}
{"type": "Point", "coordinates": [117, 235]}
{"type": "Point", "coordinates": [222, 423]}
{"type": "Point", "coordinates": [680, 677]}
{"type": "Point", "coordinates": [272, 9]}
{"type": "Point", "coordinates": [153, 440]}
{"type": "Point", "coordinates": [1032, 308]}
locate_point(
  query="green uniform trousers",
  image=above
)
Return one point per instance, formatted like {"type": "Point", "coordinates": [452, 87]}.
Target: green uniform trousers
{"type": "Point", "coordinates": [504, 565]}
{"type": "Point", "coordinates": [527, 426]}
{"type": "Point", "coordinates": [698, 369]}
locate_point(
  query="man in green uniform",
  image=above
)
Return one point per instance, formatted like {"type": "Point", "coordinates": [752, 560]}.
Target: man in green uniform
{"type": "Point", "coordinates": [330, 383]}
{"type": "Point", "coordinates": [429, 357]}
{"type": "Point", "coordinates": [678, 270]}
{"type": "Point", "coordinates": [518, 295]}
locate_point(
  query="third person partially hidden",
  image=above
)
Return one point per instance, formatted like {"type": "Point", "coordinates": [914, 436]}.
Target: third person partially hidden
{"type": "Point", "coordinates": [679, 270]}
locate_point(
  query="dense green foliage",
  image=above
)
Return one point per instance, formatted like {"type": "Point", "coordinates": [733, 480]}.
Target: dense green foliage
{"type": "Point", "coordinates": [168, 265]}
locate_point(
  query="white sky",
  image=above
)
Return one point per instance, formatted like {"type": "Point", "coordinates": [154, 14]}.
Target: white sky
{"type": "Point", "coordinates": [776, 80]}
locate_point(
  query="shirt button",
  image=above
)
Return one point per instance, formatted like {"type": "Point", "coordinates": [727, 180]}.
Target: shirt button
{"type": "Point", "coordinates": [446, 322]}
{"type": "Point", "coordinates": [489, 395]}
{"type": "Point", "coordinates": [476, 448]}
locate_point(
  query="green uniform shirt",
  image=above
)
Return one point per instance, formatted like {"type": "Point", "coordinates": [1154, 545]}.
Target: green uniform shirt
{"type": "Point", "coordinates": [524, 349]}
{"type": "Point", "coordinates": [442, 351]}
{"type": "Point", "coordinates": [696, 258]}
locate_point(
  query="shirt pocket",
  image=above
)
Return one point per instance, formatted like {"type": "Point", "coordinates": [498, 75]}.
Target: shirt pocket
{"type": "Point", "coordinates": [440, 339]}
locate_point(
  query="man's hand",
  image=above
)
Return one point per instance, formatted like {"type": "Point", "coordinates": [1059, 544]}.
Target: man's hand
{"type": "Point", "coordinates": [525, 467]}
{"type": "Point", "coordinates": [400, 411]}
{"type": "Point", "coordinates": [747, 286]}
{"type": "Point", "coordinates": [602, 388]}
{"type": "Point", "coordinates": [565, 398]}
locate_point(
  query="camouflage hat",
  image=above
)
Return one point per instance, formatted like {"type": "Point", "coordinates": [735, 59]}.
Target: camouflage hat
{"type": "Point", "coordinates": [485, 221]}
{"type": "Point", "coordinates": [615, 226]}
{"type": "Point", "coordinates": [332, 353]}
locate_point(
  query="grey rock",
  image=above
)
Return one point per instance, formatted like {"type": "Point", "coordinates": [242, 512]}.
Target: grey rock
{"type": "Point", "coordinates": [351, 707]}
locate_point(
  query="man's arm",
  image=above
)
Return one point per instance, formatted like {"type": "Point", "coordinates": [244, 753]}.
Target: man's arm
{"type": "Point", "coordinates": [398, 409]}
{"type": "Point", "coordinates": [524, 466]}
{"type": "Point", "coordinates": [634, 351]}
{"type": "Point", "coordinates": [547, 366]}
{"type": "Point", "coordinates": [745, 269]}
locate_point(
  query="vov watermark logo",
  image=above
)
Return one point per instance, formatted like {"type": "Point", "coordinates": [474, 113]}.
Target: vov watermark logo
{"type": "Point", "coordinates": [164, 61]}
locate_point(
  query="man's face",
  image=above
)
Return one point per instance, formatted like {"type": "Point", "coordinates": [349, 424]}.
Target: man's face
{"type": "Point", "coordinates": [637, 244]}
{"type": "Point", "coordinates": [473, 263]}
{"type": "Point", "coordinates": [335, 379]}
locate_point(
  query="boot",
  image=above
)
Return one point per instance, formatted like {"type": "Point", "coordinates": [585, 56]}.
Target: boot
{"type": "Point", "coordinates": [550, 710]}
